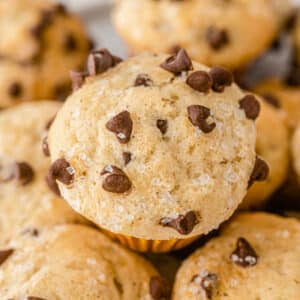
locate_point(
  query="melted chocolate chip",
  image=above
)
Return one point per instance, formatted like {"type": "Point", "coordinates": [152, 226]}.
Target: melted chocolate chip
{"type": "Point", "coordinates": [143, 80]}
{"type": "Point", "coordinates": [126, 158]}
{"type": "Point", "coordinates": [23, 172]}
{"type": "Point", "coordinates": [184, 224]}
{"type": "Point", "coordinates": [200, 81]}
{"type": "Point", "coordinates": [5, 254]}
{"type": "Point", "coordinates": [77, 79]}
{"type": "Point", "coordinates": [178, 63]}
{"type": "Point", "coordinates": [70, 43]}
{"type": "Point", "coordinates": [251, 106]}
{"type": "Point", "coordinates": [61, 171]}
{"type": "Point", "coordinates": [209, 283]}
{"type": "Point", "coordinates": [100, 61]}
{"type": "Point", "coordinates": [162, 125]}
{"type": "Point", "coordinates": [217, 38]}
{"type": "Point", "coordinates": [272, 100]}
{"type": "Point", "coordinates": [15, 90]}
{"type": "Point", "coordinates": [121, 125]}
{"type": "Point", "coordinates": [116, 181]}
{"type": "Point", "coordinates": [45, 146]}
{"type": "Point", "coordinates": [198, 116]}
{"type": "Point", "coordinates": [160, 288]}
{"type": "Point", "coordinates": [260, 171]}
{"type": "Point", "coordinates": [244, 255]}
{"type": "Point", "coordinates": [221, 78]}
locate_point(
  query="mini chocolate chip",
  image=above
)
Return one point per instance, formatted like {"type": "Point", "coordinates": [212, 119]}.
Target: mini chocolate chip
{"type": "Point", "coordinates": [162, 125]}
{"type": "Point", "coordinates": [209, 284]}
{"type": "Point", "coordinates": [178, 63]}
{"type": "Point", "coordinates": [251, 106]}
{"type": "Point", "coordinates": [126, 158]}
{"type": "Point", "coordinates": [121, 125]}
{"type": "Point", "coordinates": [160, 288]}
{"type": "Point", "coordinates": [77, 79]}
{"type": "Point", "coordinates": [23, 172]}
{"type": "Point", "coordinates": [200, 81]}
{"type": "Point", "coordinates": [198, 116]}
{"type": "Point", "coordinates": [184, 224]}
{"type": "Point", "coordinates": [221, 78]}
{"type": "Point", "coordinates": [117, 181]}
{"type": "Point", "coordinates": [217, 38]}
{"type": "Point", "coordinates": [45, 146]}
{"type": "Point", "coordinates": [260, 171]}
{"type": "Point", "coordinates": [70, 43]}
{"type": "Point", "coordinates": [5, 254]}
{"type": "Point", "coordinates": [143, 80]}
{"type": "Point", "coordinates": [100, 61]}
{"type": "Point", "coordinates": [15, 90]}
{"type": "Point", "coordinates": [62, 171]}
{"type": "Point", "coordinates": [271, 99]}
{"type": "Point", "coordinates": [32, 231]}
{"type": "Point", "coordinates": [49, 123]}
{"type": "Point", "coordinates": [244, 255]}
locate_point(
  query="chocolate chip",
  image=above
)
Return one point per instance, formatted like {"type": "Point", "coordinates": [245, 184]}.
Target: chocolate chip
{"type": "Point", "coordinates": [5, 254]}
{"type": "Point", "coordinates": [271, 99]}
{"type": "Point", "coordinates": [100, 61]}
{"type": "Point", "coordinates": [70, 43]}
{"type": "Point", "coordinates": [160, 288]}
{"type": "Point", "coordinates": [198, 116]}
{"type": "Point", "coordinates": [178, 63]}
{"type": "Point", "coordinates": [61, 171]}
{"type": "Point", "coordinates": [209, 283]}
{"type": "Point", "coordinates": [251, 106]}
{"type": "Point", "coordinates": [15, 90]}
{"type": "Point", "coordinates": [116, 181]}
{"type": "Point", "coordinates": [126, 158]}
{"type": "Point", "coordinates": [143, 80]}
{"type": "Point", "coordinates": [217, 38]}
{"type": "Point", "coordinates": [200, 81]}
{"type": "Point", "coordinates": [244, 255]}
{"type": "Point", "coordinates": [162, 125]}
{"type": "Point", "coordinates": [260, 172]}
{"type": "Point", "coordinates": [121, 125]}
{"type": "Point", "coordinates": [45, 146]}
{"type": "Point", "coordinates": [32, 231]}
{"type": "Point", "coordinates": [77, 79]}
{"type": "Point", "coordinates": [184, 224]}
{"type": "Point", "coordinates": [221, 78]}
{"type": "Point", "coordinates": [23, 172]}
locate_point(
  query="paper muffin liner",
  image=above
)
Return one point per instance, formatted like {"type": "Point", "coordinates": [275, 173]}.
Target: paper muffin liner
{"type": "Point", "coordinates": [154, 246]}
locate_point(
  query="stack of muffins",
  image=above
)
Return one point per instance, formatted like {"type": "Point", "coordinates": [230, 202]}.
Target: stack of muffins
{"type": "Point", "coordinates": [158, 153]}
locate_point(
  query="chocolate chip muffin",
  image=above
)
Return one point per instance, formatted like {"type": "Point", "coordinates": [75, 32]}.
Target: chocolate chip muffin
{"type": "Point", "coordinates": [160, 151]}
{"type": "Point", "coordinates": [255, 257]}
{"type": "Point", "coordinates": [284, 96]}
{"type": "Point", "coordinates": [26, 201]}
{"type": "Point", "coordinates": [272, 145]}
{"type": "Point", "coordinates": [40, 42]}
{"type": "Point", "coordinates": [75, 262]}
{"type": "Point", "coordinates": [227, 33]}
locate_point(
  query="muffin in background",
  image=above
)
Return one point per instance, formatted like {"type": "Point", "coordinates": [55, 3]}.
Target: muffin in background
{"type": "Point", "coordinates": [40, 42]}
{"type": "Point", "coordinates": [256, 256]}
{"type": "Point", "coordinates": [76, 262]}
{"type": "Point", "coordinates": [160, 151]}
{"type": "Point", "coordinates": [226, 33]}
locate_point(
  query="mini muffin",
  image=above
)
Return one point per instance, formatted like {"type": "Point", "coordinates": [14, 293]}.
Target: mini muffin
{"type": "Point", "coordinates": [40, 42]}
{"type": "Point", "coordinates": [255, 257]}
{"type": "Point", "coordinates": [282, 96]}
{"type": "Point", "coordinates": [26, 201]}
{"type": "Point", "coordinates": [296, 152]}
{"type": "Point", "coordinates": [157, 150]}
{"type": "Point", "coordinates": [75, 262]}
{"type": "Point", "coordinates": [227, 33]}
{"type": "Point", "coordinates": [272, 145]}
